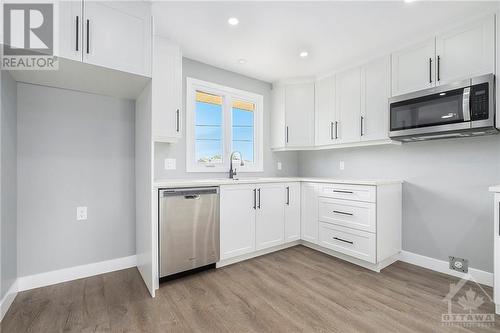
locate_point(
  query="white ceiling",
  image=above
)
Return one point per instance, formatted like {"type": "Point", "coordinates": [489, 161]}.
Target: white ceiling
{"type": "Point", "coordinates": [270, 35]}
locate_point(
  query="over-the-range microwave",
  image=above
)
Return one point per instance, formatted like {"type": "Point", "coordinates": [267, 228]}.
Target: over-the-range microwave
{"type": "Point", "coordinates": [465, 108]}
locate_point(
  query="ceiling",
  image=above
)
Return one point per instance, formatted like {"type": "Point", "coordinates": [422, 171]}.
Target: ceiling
{"type": "Point", "coordinates": [270, 35]}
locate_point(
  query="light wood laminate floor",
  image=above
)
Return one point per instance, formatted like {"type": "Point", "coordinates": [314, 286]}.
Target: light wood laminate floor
{"type": "Point", "coordinates": [294, 290]}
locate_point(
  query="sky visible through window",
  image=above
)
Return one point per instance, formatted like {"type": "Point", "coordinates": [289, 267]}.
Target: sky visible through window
{"type": "Point", "coordinates": [208, 132]}
{"type": "Point", "coordinates": [243, 133]}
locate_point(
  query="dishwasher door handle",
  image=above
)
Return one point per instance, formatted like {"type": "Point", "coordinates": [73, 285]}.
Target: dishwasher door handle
{"type": "Point", "coordinates": [192, 197]}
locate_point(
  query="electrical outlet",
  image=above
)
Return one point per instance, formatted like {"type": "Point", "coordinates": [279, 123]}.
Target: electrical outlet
{"type": "Point", "coordinates": [81, 213]}
{"type": "Point", "coordinates": [170, 163]}
{"type": "Point", "coordinates": [279, 166]}
{"type": "Point", "coordinates": [341, 165]}
{"type": "Point", "coordinates": [459, 264]}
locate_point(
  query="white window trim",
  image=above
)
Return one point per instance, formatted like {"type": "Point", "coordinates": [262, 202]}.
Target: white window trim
{"type": "Point", "coordinates": [191, 165]}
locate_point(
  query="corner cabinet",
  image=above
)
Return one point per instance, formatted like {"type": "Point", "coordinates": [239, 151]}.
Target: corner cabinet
{"type": "Point", "coordinates": [457, 54]}
{"type": "Point", "coordinates": [166, 91]}
{"type": "Point", "coordinates": [293, 115]}
{"type": "Point", "coordinates": [257, 217]}
{"type": "Point", "coordinates": [115, 35]}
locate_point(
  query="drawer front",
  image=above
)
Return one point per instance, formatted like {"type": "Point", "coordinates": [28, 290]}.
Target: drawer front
{"type": "Point", "coordinates": [354, 243]}
{"type": "Point", "coordinates": [352, 214]}
{"type": "Point", "coordinates": [349, 192]}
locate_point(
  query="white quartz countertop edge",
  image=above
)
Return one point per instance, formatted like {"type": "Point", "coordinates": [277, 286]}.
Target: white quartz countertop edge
{"type": "Point", "coordinates": [173, 183]}
{"type": "Point", "coordinates": [495, 188]}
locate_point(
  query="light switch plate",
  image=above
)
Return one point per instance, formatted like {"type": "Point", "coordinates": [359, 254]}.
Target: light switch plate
{"type": "Point", "coordinates": [341, 165]}
{"type": "Point", "coordinates": [279, 165]}
{"type": "Point", "coordinates": [170, 164]}
{"type": "Point", "coordinates": [81, 213]}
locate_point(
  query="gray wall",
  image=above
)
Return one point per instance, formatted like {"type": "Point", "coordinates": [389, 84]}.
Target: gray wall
{"type": "Point", "coordinates": [209, 73]}
{"type": "Point", "coordinates": [447, 209]}
{"type": "Point", "coordinates": [8, 183]}
{"type": "Point", "coordinates": [74, 149]}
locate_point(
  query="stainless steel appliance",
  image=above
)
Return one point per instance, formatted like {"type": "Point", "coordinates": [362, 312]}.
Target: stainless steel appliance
{"type": "Point", "coordinates": [465, 108]}
{"type": "Point", "coordinates": [189, 229]}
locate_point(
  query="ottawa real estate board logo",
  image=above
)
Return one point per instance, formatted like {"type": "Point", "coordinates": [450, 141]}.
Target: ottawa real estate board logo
{"type": "Point", "coordinates": [28, 30]}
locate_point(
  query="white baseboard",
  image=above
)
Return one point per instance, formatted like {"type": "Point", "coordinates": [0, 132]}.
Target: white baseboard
{"type": "Point", "coordinates": [442, 266]}
{"type": "Point", "coordinates": [230, 261]}
{"type": "Point", "coordinates": [8, 299]}
{"type": "Point", "coordinates": [74, 273]}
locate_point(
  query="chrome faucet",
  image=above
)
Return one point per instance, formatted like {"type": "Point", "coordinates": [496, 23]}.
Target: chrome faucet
{"type": "Point", "coordinates": [232, 172]}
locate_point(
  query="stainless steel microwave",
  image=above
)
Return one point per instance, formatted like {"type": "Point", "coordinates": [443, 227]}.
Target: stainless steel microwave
{"type": "Point", "coordinates": [465, 108]}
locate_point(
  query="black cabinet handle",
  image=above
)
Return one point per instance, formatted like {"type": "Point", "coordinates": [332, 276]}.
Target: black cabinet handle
{"type": "Point", "coordinates": [343, 240]}
{"type": "Point", "coordinates": [362, 125]}
{"type": "Point", "coordinates": [287, 134]}
{"type": "Point", "coordinates": [254, 199]}
{"type": "Point", "coordinates": [331, 130]}
{"type": "Point", "coordinates": [499, 219]}
{"type": "Point", "coordinates": [438, 69]}
{"type": "Point", "coordinates": [177, 120]}
{"type": "Point", "coordinates": [430, 70]}
{"type": "Point", "coordinates": [343, 213]}
{"type": "Point", "coordinates": [88, 38]}
{"type": "Point", "coordinates": [336, 129]}
{"type": "Point", "coordinates": [288, 195]}
{"type": "Point", "coordinates": [340, 191]}
{"type": "Point", "coordinates": [77, 31]}
{"type": "Point", "coordinates": [258, 205]}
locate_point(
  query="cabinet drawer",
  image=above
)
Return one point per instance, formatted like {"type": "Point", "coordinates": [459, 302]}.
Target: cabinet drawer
{"type": "Point", "coordinates": [355, 243]}
{"type": "Point", "coordinates": [352, 214]}
{"type": "Point", "coordinates": [349, 192]}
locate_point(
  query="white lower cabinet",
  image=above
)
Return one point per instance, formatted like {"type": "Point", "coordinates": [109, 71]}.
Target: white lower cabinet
{"type": "Point", "coordinates": [292, 212]}
{"type": "Point", "coordinates": [496, 268]}
{"type": "Point", "coordinates": [237, 220]}
{"type": "Point", "coordinates": [258, 216]}
{"type": "Point", "coordinates": [309, 213]}
{"type": "Point", "coordinates": [270, 216]}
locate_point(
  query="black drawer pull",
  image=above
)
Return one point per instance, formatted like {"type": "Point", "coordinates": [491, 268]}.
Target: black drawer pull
{"type": "Point", "coordinates": [343, 213]}
{"type": "Point", "coordinates": [343, 240]}
{"type": "Point", "coordinates": [339, 191]}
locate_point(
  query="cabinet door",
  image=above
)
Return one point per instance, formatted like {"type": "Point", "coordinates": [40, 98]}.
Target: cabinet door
{"type": "Point", "coordinates": [467, 51]}
{"type": "Point", "coordinates": [496, 229]}
{"type": "Point", "coordinates": [299, 109]}
{"type": "Point", "coordinates": [375, 90]}
{"type": "Point", "coordinates": [348, 94]}
{"type": "Point", "coordinates": [278, 125]}
{"type": "Point", "coordinates": [270, 217]}
{"type": "Point", "coordinates": [237, 220]}
{"type": "Point", "coordinates": [70, 24]}
{"type": "Point", "coordinates": [325, 111]}
{"type": "Point", "coordinates": [309, 213]}
{"type": "Point", "coordinates": [413, 68]}
{"type": "Point", "coordinates": [292, 212]}
{"type": "Point", "coordinates": [118, 35]}
{"type": "Point", "coordinates": [167, 90]}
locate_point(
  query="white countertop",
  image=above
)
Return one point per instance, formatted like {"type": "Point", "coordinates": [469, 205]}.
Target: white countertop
{"type": "Point", "coordinates": [172, 183]}
{"type": "Point", "coordinates": [495, 188]}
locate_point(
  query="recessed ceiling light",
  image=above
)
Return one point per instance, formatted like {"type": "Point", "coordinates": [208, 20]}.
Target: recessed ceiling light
{"type": "Point", "coordinates": [233, 21]}
{"type": "Point", "coordinates": [242, 61]}
{"type": "Point", "coordinates": [303, 54]}
{"type": "Point", "coordinates": [408, 1]}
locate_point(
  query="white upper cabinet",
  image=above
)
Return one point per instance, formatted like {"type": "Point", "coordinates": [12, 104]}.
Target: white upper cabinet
{"type": "Point", "coordinates": [70, 18]}
{"type": "Point", "coordinates": [299, 114]}
{"type": "Point", "coordinates": [375, 91]}
{"type": "Point", "coordinates": [117, 35]}
{"type": "Point", "coordinates": [326, 117]}
{"type": "Point", "coordinates": [166, 91]}
{"type": "Point", "coordinates": [278, 134]}
{"type": "Point", "coordinates": [292, 212]}
{"type": "Point", "coordinates": [270, 216]}
{"type": "Point", "coordinates": [466, 51]}
{"type": "Point", "coordinates": [413, 68]}
{"type": "Point", "coordinates": [348, 95]}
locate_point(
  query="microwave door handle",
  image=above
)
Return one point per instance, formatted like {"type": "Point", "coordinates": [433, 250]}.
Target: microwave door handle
{"type": "Point", "coordinates": [466, 104]}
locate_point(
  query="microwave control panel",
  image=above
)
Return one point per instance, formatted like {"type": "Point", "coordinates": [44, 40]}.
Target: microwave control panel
{"type": "Point", "coordinates": [479, 107]}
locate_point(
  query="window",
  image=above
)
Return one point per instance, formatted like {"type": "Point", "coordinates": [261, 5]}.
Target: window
{"type": "Point", "coordinates": [221, 120]}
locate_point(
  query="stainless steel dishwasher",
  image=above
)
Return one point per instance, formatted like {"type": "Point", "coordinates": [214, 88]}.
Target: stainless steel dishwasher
{"type": "Point", "coordinates": [189, 229]}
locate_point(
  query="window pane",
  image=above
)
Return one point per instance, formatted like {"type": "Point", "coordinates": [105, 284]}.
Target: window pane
{"type": "Point", "coordinates": [243, 129]}
{"type": "Point", "coordinates": [208, 128]}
